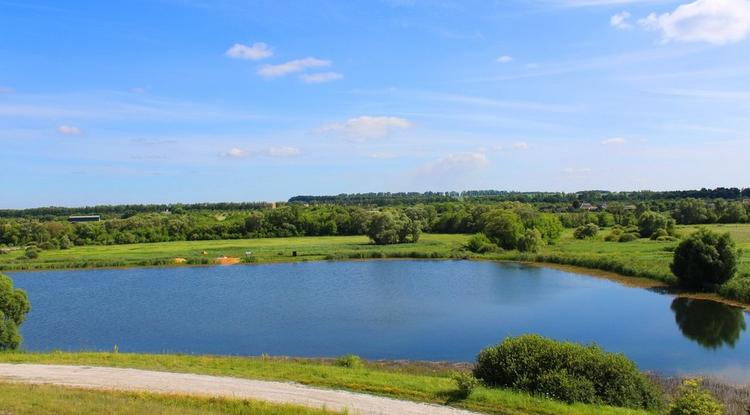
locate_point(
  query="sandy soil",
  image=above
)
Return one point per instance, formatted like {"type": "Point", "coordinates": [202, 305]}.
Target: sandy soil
{"type": "Point", "coordinates": [203, 385]}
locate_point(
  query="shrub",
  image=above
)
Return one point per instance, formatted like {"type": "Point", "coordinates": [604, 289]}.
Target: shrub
{"type": "Point", "coordinates": [628, 237]}
{"type": "Point", "coordinates": [480, 244]}
{"type": "Point", "coordinates": [650, 222]}
{"type": "Point", "coordinates": [32, 252]}
{"type": "Point", "coordinates": [659, 234]}
{"type": "Point", "coordinates": [531, 241]}
{"type": "Point", "coordinates": [566, 371]}
{"type": "Point", "coordinates": [705, 259]}
{"type": "Point", "coordinates": [351, 361]}
{"type": "Point", "coordinates": [503, 227]}
{"type": "Point", "coordinates": [465, 384]}
{"type": "Point", "coordinates": [737, 288]}
{"type": "Point", "coordinates": [14, 305]}
{"type": "Point", "coordinates": [588, 230]}
{"type": "Point", "coordinates": [693, 400]}
{"type": "Point", "coordinates": [65, 242]}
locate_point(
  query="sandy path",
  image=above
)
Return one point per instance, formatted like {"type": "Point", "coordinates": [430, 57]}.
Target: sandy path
{"type": "Point", "coordinates": [183, 383]}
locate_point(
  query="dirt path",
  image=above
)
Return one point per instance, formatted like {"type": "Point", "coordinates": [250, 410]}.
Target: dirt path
{"type": "Point", "coordinates": [183, 383]}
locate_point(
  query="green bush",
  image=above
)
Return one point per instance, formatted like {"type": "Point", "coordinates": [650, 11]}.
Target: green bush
{"type": "Point", "coordinates": [567, 371]}
{"type": "Point", "coordinates": [32, 252]}
{"type": "Point", "coordinates": [588, 230]}
{"type": "Point", "coordinates": [628, 237]}
{"type": "Point", "coordinates": [351, 361]}
{"type": "Point", "coordinates": [705, 259]}
{"type": "Point", "coordinates": [465, 384]}
{"type": "Point", "coordinates": [737, 288]}
{"type": "Point", "coordinates": [503, 227]}
{"type": "Point", "coordinates": [14, 305]}
{"type": "Point", "coordinates": [650, 222]}
{"type": "Point", "coordinates": [480, 244]}
{"type": "Point", "coordinates": [693, 400]}
{"type": "Point", "coordinates": [531, 241]}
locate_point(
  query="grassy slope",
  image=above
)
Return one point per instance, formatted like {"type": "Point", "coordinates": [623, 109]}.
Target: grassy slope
{"type": "Point", "coordinates": [45, 399]}
{"type": "Point", "coordinates": [405, 382]}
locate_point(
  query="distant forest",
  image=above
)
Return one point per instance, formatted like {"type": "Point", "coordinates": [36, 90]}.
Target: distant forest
{"type": "Point", "coordinates": [451, 212]}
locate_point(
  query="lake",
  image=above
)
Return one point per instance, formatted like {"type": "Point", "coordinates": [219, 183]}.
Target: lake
{"type": "Point", "coordinates": [425, 310]}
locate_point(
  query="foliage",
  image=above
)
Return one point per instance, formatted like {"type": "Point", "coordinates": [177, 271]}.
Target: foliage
{"type": "Point", "coordinates": [351, 361]}
{"type": "Point", "coordinates": [386, 228]}
{"type": "Point", "coordinates": [709, 323]}
{"type": "Point", "coordinates": [586, 231]}
{"type": "Point", "coordinates": [651, 222]}
{"type": "Point", "coordinates": [693, 400]}
{"type": "Point", "coordinates": [737, 288]}
{"type": "Point", "coordinates": [531, 241]}
{"type": "Point", "coordinates": [32, 252]}
{"type": "Point", "coordinates": [480, 244]}
{"type": "Point", "coordinates": [465, 383]}
{"type": "Point", "coordinates": [565, 371]}
{"type": "Point", "coordinates": [14, 305]}
{"type": "Point", "coordinates": [503, 227]}
{"type": "Point", "coordinates": [705, 259]}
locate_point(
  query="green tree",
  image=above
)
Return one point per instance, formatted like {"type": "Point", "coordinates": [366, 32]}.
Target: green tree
{"type": "Point", "coordinates": [14, 305]}
{"type": "Point", "coordinates": [531, 241]}
{"type": "Point", "coordinates": [705, 259]}
{"type": "Point", "coordinates": [690, 211]}
{"type": "Point", "coordinates": [503, 227]}
{"type": "Point", "coordinates": [709, 323]}
{"type": "Point", "coordinates": [649, 222]}
{"type": "Point", "coordinates": [65, 242]}
{"type": "Point", "coordinates": [588, 230]}
{"type": "Point", "coordinates": [693, 400]}
{"type": "Point", "coordinates": [733, 212]}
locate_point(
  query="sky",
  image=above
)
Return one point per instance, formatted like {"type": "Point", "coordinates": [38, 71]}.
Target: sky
{"type": "Point", "coordinates": [159, 101]}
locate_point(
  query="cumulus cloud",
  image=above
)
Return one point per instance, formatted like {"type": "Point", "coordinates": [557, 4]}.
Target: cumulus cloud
{"type": "Point", "coordinates": [576, 172]}
{"type": "Point", "coordinates": [712, 21]}
{"type": "Point", "coordinates": [69, 130]}
{"type": "Point", "coordinates": [255, 52]}
{"type": "Point", "coordinates": [366, 127]}
{"type": "Point", "coordinates": [458, 163]}
{"type": "Point", "coordinates": [614, 141]}
{"type": "Point", "coordinates": [620, 20]}
{"type": "Point", "coordinates": [504, 59]}
{"type": "Point", "coordinates": [235, 153]}
{"type": "Point", "coordinates": [284, 151]}
{"type": "Point", "coordinates": [322, 77]}
{"type": "Point", "coordinates": [298, 65]}
{"type": "Point", "coordinates": [521, 145]}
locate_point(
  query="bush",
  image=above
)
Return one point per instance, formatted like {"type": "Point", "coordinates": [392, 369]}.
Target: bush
{"type": "Point", "coordinates": [650, 222]}
{"type": "Point", "coordinates": [32, 252]}
{"type": "Point", "coordinates": [480, 244]}
{"type": "Point", "coordinates": [693, 400]}
{"type": "Point", "coordinates": [628, 237]}
{"type": "Point", "coordinates": [659, 234]}
{"type": "Point", "coordinates": [737, 288]}
{"type": "Point", "coordinates": [351, 361]}
{"type": "Point", "coordinates": [705, 259]}
{"type": "Point", "coordinates": [503, 227]}
{"type": "Point", "coordinates": [14, 305]}
{"type": "Point", "coordinates": [531, 241]}
{"type": "Point", "coordinates": [465, 384]}
{"type": "Point", "coordinates": [566, 371]}
{"type": "Point", "coordinates": [65, 242]}
{"type": "Point", "coordinates": [586, 231]}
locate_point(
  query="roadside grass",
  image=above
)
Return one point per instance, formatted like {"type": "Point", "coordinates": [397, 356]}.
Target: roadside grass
{"type": "Point", "coordinates": [403, 382]}
{"type": "Point", "coordinates": [20, 399]}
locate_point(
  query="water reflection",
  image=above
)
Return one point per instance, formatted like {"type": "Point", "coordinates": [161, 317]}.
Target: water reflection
{"type": "Point", "coordinates": [709, 323]}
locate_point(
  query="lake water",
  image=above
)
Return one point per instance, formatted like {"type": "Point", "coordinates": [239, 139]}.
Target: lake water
{"type": "Point", "coordinates": [426, 310]}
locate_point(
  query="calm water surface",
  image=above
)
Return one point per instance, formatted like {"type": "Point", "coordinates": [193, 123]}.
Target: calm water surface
{"type": "Point", "coordinates": [428, 310]}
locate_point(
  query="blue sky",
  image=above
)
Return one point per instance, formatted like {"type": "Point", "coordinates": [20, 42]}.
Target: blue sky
{"type": "Point", "coordinates": [228, 100]}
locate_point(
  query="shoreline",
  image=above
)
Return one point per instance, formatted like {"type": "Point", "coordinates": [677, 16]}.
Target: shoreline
{"type": "Point", "coordinates": [653, 285]}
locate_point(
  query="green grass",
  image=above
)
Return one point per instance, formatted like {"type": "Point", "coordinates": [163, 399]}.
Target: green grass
{"type": "Point", "coordinates": [264, 251]}
{"type": "Point", "coordinates": [19, 399]}
{"type": "Point", "coordinates": [403, 382]}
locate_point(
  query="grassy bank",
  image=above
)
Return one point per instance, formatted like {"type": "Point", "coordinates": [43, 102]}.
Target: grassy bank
{"type": "Point", "coordinates": [19, 399]}
{"type": "Point", "coordinates": [411, 382]}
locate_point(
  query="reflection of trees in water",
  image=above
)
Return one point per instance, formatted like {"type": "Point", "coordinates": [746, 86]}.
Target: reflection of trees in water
{"type": "Point", "coordinates": [709, 323]}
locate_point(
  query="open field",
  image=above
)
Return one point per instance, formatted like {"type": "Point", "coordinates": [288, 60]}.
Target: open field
{"type": "Point", "coordinates": [408, 382]}
{"type": "Point", "coordinates": [20, 399]}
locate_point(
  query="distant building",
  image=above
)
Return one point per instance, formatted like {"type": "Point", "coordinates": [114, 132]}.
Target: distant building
{"type": "Point", "coordinates": [84, 218]}
{"type": "Point", "coordinates": [589, 207]}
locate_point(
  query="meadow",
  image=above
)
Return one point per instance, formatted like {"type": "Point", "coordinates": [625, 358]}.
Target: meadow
{"type": "Point", "coordinates": [403, 381]}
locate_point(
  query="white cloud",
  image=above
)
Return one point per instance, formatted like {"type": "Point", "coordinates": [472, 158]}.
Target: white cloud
{"type": "Point", "coordinates": [284, 151]}
{"type": "Point", "coordinates": [711, 21]}
{"type": "Point", "coordinates": [69, 130]}
{"type": "Point", "coordinates": [594, 3]}
{"type": "Point", "coordinates": [235, 152]}
{"type": "Point", "coordinates": [620, 20]}
{"type": "Point", "coordinates": [383, 155]}
{"type": "Point", "coordinates": [521, 145]}
{"type": "Point", "coordinates": [367, 127]}
{"type": "Point", "coordinates": [504, 59]}
{"type": "Point", "coordinates": [576, 172]}
{"type": "Point", "coordinates": [458, 163]}
{"type": "Point", "coordinates": [298, 65]}
{"type": "Point", "coordinates": [256, 52]}
{"type": "Point", "coordinates": [532, 65]}
{"type": "Point", "coordinates": [614, 141]}
{"type": "Point", "coordinates": [322, 77]}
